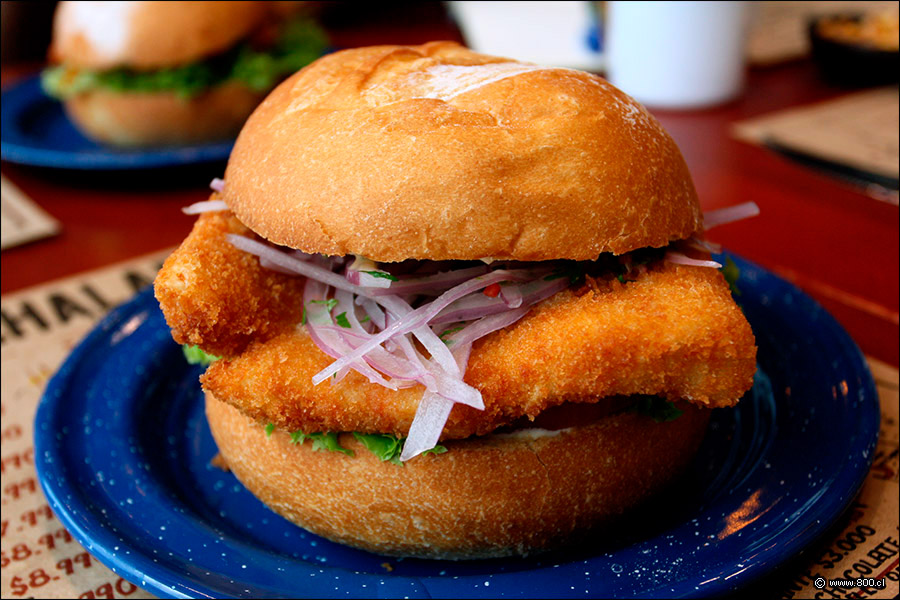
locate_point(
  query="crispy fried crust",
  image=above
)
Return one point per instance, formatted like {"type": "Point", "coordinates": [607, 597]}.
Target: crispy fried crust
{"type": "Point", "coordinates": [674, 333]}
{"type": "Point", "coordinates": [218, 297]}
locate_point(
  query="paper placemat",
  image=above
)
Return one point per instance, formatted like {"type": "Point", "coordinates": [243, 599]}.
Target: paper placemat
{"type": "Point", "coordinates": [40, 326]}
{"type": "Point", "coordinates": [21, 220]}
{"type": "Point", "coordinates": [860, 131]}
{"type": "Point", "coordinates": [39, 559]}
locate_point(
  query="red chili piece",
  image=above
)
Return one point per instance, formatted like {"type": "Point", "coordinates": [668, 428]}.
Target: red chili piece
{"type": "Point", "coordinates": [492, 291]}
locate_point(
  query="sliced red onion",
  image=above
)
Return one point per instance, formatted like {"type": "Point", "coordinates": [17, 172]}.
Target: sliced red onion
{"type": "Point", "coordinates": [461, 353]}
{"type": "Point", "coordinates": [217, 185]}
{"type": "Point", "coordinates": [380, 359]}
{"type": "Point", "coordinates": [267, 263]}
{"type": "Point", "coordinates": [377, 316]}
{"type": "Point", "coordinates": [432, 415]}
{"type": "Point", "coordinates": [318, 325]}
{"type": "Point", "coordinates": [680, 259]}
{"type": "Point", "coordinates": [443, 365]}
{"type": "Point", "coordinates": [357, 274]}
{"type": "Point", "coordinates": [427, 425]}
{"type": "Point", "coordinates": [703, 245]}
{"type": "Point", "coordinates": [420, 316]}
{"type": "Point", "coordinates": [714, 218]}
{"type": "Point", "coordinates": [446, 377]}
{"type": "Point", "coordinates": [435, 346]}
{"type": "Point", "coordinates": [295, 265]}
{"type": "Point", "coordinates": [511, 295]}
{"type": "Point", "coordinates": [206, 206]}
{"type": "Point", "coordinates": [414, 368]}
{"type": "Point", "coordinates": [396, 367]}
{"type": "Point", "coordinates": [477, 306]}
{"type": "Point", "coordinates": [484, 326]}
{"type": "Point", "coordinates": [434, 284]}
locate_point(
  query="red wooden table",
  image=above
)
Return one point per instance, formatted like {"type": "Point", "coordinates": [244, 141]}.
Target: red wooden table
{"type": "Point", "coordinates": [828, 237]}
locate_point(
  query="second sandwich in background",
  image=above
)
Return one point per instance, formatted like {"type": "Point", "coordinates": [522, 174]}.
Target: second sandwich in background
{"type": "Point", "coordinates": [167, 73]}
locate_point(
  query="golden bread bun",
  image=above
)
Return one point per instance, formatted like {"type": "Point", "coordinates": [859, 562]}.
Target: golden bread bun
{"type": "Point", "coordinates": [149, 35]}
{"type": "Point", "coordinates": [436, 152]}
{"type": "Point", "coordinates": [501, 495]}
{"type": "Point", "coordinates": [162, 118]}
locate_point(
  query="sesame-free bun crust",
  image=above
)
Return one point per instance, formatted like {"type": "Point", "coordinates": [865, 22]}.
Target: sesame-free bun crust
{"type": "Point", "coordinates": [499, 495]}
{"type": "Point", "coordinates": [149, 35]}
{"type": "Point", "coordinates": [436, 152]}
{"type": "Point", "coordinates": [162, 118]}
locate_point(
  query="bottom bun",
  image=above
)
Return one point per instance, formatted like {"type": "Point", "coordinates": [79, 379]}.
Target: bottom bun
{"type": "Point", "coordinates": [162, 118]}
{"type": "Point", "coordinates": [498, 495]}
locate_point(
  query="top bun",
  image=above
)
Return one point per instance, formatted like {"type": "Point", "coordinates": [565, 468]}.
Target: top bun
{"type": "Point", "coordinates": [149, 35]}
{"type": "Point", "coordinates": [437, 152]}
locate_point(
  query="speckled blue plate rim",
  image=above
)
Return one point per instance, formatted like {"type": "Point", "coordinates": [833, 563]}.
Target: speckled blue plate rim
{"type": "Point", "coordinates": [142, 571]}
{"type": "Point", "coordinates": [61, 146]}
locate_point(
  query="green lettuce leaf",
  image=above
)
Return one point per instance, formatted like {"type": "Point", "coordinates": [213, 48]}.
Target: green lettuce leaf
{"type": "Point", "coordinates": [388, 447]}
{"type": "Point", "coordinates": [321, 441]}
{"type": "Point", "coordinates": [196, 356]}
{"type": "Point", "coordinates": [299, 43]}
{"type": "Point", "coordinates": [385, 446]}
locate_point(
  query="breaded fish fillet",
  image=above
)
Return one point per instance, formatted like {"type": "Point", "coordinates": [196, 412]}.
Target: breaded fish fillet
{"type": "Point", "coordinates": [218, 297]}
{"type": "Point", "coordinates": [675, 332]}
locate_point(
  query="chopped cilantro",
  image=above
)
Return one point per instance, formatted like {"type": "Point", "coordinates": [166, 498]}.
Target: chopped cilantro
{"type": "Point", "coordinates": [342, 320]}
{"type": "Point", "coordinates": [365, 319]}
{"type": "Point", "coordinates": [732, 273]}
{"type": "Point", "coordinates": [381, 275]}
{"type": "Point", "coordinates": [658, 409]}
{"type": "Point", "coordinates": [196, 356]}
{"type": "Point", "coordinates": [329, 304]}
{"type": "Point", "coordinates": [450, 332]}
{"type": "Point", "coordinates": [269, 429]}
{"type": "Point", "coordinates": [303, 318]}
{"type": "Point", "coordinates": [621, 278]}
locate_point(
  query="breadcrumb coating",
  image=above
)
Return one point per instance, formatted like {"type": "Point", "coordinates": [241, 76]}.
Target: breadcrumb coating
{"type": "Point", "coordinates": [218, 297]}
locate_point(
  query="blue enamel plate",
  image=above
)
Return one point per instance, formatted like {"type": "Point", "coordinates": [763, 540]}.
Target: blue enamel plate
{"type": "Point", "coordinates": [36, 132]}
{"type": "Point", "coordinates": [123, 454]}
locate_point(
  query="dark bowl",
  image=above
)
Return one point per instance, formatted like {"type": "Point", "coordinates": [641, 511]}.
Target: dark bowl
{"type": "Point", "coordinates": [852, 64]}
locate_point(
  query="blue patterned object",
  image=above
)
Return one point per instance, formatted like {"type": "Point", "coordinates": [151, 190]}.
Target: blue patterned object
{"type": "Point", "coordinates": [122, 451]}
{"type": "Point", "coordinates": [37, 132]}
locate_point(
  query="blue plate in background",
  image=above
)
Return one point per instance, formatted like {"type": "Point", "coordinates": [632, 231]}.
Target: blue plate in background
{"type": "Point", "coordinates": [122, 451]}
{"type": "Point", "coordinates": [36, 132]}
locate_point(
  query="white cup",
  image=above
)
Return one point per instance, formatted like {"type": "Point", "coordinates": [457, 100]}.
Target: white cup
{"type": "Point", "coordinates": [677, 54]}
